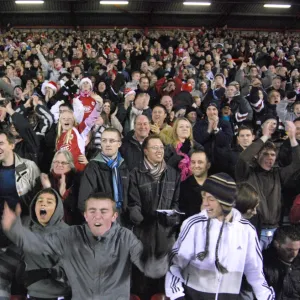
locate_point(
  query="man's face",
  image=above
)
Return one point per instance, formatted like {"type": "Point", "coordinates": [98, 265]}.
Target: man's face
{"type": "Point", "coordinates": [297, 124]}
{"type": "Point", "coordinates": [266, 159]}
{"type": "Point", "coordinates": [17, 92]}
{"type": "Point", "coordinates": [192, 117]}
{"type": "Point", "coordinates": [45, 207]}
{"type": "Point", "coordinates": [219, 80]}
{"type": "Point", "coordinates": [155, 151]}
{"type": "Point", "coordinates": [289, 250]}
{"type": "Point", "coordinates": [167, 102]}
{"type": "Point", "coordinates": [274, 98]}
{"type": "Point", "coordinates": [6, 149]}
{"type": "Point", "coordinates": [192, 82]}
{"type": "Point", "coordinates": [211, 205]}
{"type": "Point", "coordinates": [136, 76]}
{"type": "Point", "coordinates": [253, 72]}
{"type": "Point", "coordinates": [231, 91]}
{"type": "Point", "coordinates": [144, 84]}
{"type": "Point", "coordinates": [211, 112]}
{"type": "Point", "coordinates": [110, 143]}
{"type": "Point", "coordinates": [99, 215]}
{"type": "Point", "coordinates": [276, 83]}
{"type": "Point", "coordinates": [297, 110]}
{"type": "Point", "coordinates": [199, 165]}
{"type": "Point", "coordinates": [245, 138]}
{"type": "Point", "coordinates": [142, 127]}
{"type": "Point", "coordinates": [77, 71]}
{"type": "Point", "coordinates": [57, 63]}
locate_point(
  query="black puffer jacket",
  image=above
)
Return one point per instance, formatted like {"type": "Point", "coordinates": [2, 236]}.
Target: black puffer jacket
{"type": "Point", "coordinates": [283, 278]}
{"type": "Point", "coordinates": [146, 195]}
{"type": "Point", "coordinates": [131, 151]}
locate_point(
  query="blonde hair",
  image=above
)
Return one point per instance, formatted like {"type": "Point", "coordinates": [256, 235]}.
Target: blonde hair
{"type": "Point", "coordinates": [68, 136]}
{"type": "Point", "coordinates": [175, 138]}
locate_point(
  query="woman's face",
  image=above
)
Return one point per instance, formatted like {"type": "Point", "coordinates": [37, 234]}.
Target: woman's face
{"type": "Point", "coordinates": [66, 120]}
{"type": "Point", "coordinates": [61, 165]}
{"type": "Point", "coordinates": [158, 115]}
{"type": "Point", "coordinates": [106, 108]}
{"type": "Point", "coordinates": [101, 87]}
{"type": "Point", "coordinates": [183, 129]}
{"type": "Point", "coordinates": [36, 63]}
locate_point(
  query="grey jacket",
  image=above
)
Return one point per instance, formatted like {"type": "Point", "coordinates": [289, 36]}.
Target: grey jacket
{"type": "Point", "coordinates": [47, 288]}
{"type": "Point", "coordinates": [97, 268]}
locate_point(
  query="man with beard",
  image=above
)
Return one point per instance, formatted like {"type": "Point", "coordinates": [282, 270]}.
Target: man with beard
{"type": "Point", "coordinates": [190, 199]}
{"type": "Point", "coordinates": [266, 179]}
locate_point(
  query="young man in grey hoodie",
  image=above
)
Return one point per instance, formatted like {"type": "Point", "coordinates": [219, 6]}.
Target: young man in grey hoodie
{"type": "Point", "coordinates": [96, 256]}
{"type": "Point", "coordinates": [43, 275]}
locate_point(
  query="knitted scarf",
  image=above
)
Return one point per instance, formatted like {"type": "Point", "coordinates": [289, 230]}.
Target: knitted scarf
{"type": "Point", "coordinates": [116, 178]}
{"type": "Point", "coordinates": [85, 93]}
{"type": "Point", "coordinates": [184, 164]}
{"type": "Point", "coordinates": [155, 171]}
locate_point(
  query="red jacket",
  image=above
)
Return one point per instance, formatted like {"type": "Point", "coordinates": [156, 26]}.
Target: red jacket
{"type": "Point", "coordinates": [76, 146]}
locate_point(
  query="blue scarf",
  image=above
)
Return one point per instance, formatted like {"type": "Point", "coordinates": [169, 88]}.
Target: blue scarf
{"type": "Point", "coordinates": [116, 179]}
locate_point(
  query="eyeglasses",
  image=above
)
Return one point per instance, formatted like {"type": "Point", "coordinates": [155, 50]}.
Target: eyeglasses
{"type": "Point", "coordinates": [156, 148]}
{"type": "Point", "coordinates": [109, 141]}
{"type": "Point", "coordinates": [63, 163]}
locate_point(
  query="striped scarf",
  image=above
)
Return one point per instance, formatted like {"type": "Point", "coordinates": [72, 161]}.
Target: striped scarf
{"type": "Point", "coordinates": [116, 179]}
{"type": "Point", "coordinates": [155, 171]}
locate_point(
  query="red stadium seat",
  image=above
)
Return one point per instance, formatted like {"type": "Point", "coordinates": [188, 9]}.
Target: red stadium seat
{"type": "Point", "coordinates": [134, 297]}
{"type": "Point", "coordinates": [159, 297]}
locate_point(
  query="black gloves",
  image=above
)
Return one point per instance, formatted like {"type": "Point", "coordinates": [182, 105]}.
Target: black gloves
{"type": "Point", "coordinates": [186, 146]}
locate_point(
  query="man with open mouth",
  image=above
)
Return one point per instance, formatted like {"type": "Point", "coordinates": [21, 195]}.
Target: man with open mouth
{"type": "Point", "coordinates": [96, 256]}
{"type": "Point", "coordinates": [256, 165]}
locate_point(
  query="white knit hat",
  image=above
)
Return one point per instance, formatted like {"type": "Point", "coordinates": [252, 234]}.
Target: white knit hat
{"type": "Point", "coordinates": [85, 79]}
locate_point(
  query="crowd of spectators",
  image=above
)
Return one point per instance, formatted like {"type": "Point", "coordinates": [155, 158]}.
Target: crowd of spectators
{"type": "Point", "coordinates": [112, 140]}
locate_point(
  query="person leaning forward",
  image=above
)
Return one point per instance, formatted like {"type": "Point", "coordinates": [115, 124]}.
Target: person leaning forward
{"type": "Point", "coordinates": [96, 256]}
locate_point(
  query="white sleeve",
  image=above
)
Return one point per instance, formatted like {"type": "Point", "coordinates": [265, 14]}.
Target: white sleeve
{"type": "Point", "coordinates": [55, 110]}
{"type": "Point", "coordinates": [254, 269]}
{"type": "Point", "coordinates": [182, 253]}
{"type": "Point", "coordinates": [78, 110]}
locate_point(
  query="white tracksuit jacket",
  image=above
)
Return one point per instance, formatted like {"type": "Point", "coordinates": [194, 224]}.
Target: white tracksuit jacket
{"type": "Point", "coordinates": [239, 252]}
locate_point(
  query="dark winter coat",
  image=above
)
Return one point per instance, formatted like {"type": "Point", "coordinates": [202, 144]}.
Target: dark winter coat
{"type": "Point", "coordinates": [283, 278]}
{"type": "Point", "coordinates": [145, 196]}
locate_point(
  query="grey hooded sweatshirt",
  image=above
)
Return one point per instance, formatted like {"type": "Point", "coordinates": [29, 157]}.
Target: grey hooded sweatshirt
{"type": "Point", "coordinates": [98, 268]}
{"type": "Point", "coordinates": [45, 288]}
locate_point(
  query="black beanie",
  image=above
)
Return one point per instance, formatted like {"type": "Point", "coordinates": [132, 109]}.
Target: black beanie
{"type": "Point", "coordinates": [222, 187]}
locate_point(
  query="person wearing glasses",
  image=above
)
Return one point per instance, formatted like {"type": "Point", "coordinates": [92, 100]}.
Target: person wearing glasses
{"type": "Point", "coordinates": [153, 186]}
{"type": "Point", "coordinates": [107, 173]}
{"type": "Point", "coordinates": [64, 179]}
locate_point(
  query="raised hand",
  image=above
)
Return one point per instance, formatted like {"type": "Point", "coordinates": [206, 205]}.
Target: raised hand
{"type": "Point", "coordinates": [9, 216]}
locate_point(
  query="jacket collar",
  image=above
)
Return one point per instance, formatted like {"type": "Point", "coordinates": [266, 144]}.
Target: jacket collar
{"type": "Point", "coordinates": [93, 240]}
